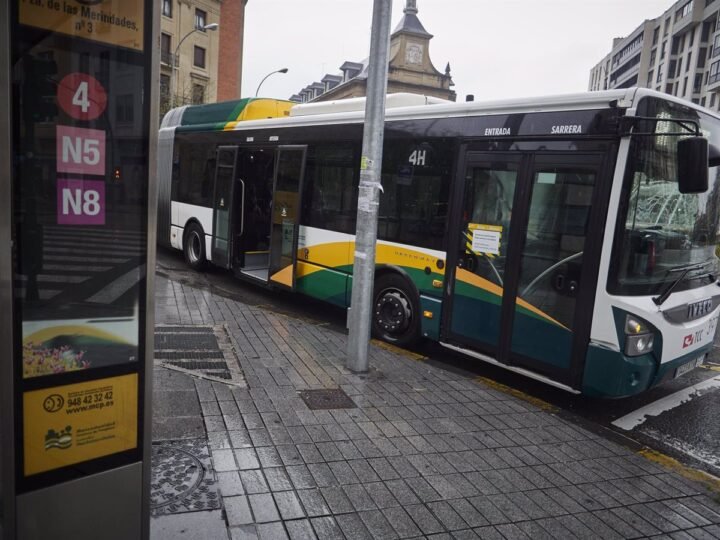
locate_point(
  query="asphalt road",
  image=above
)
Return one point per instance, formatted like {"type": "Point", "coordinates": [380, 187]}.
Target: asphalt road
{"type": "Point", "coordinates": [680, 418]}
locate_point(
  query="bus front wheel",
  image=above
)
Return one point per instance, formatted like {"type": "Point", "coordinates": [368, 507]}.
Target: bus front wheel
{"type": "Point", "coordinates": [194, 247]}
{"type": "Point", "coordinates": [395, 316]}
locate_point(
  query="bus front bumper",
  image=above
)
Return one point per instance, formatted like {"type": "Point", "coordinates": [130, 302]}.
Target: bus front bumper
{"type": "Point", "coordinates": [612, 374]}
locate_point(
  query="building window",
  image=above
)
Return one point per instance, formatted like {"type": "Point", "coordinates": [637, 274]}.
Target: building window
{"type": "Point", "coordinates": [702, 57]}
{"type": "Point", "coordinates": [667, 26]}
{"type": "Point", "coordinates": [653, 57]}
{"type": "Point", "coordinates": [165, 44]}
{"type": "Point", "coordinates": [124, 110]}
{"type": "Point", "coordinates": [689, 62]}
{"type": "Point", "coordinates": [684, 11]}
{"type": "Point", "coordinates": [712, 99]}
{"type": "Point", "coordinates": [656, 35]}
{"type": "Point", "coordinates": [697, 83]}
{"type": "Point", "coordinates": [200, 19]}
{"type": "Point", "coordinates": [198, 94]}
{"type": "Point", "coordinates": [167, 8]}
{"type": "Point", "coordinates": [199, 57]}
{"type": "Point", "coordinates": [714, 72]}
{"type": "Point", "coordinates": [659, 75]}
{"type": "Point", "coordinates": [685, 87]}
{"type": "Point", "coordinates": [706, 29]}
{"type": "Point", "coordinates": [651, 74]}
{"type": "Point", "coordinates": [662, 51]}
{"type": "Point", "coordinates": [671, 69]}
{"type": "Point", "coordinates": [702, 102]}
{"type": "Point", "coordinates": [692, 37]}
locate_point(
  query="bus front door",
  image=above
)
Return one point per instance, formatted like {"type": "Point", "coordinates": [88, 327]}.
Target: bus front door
{"type": "Point", "coordinates": [479, 250]}
{"type": "Point", "coordinates": [287, 196]}
{"type": "Point", "coordinates": [226, 158]}
{"type": "Point", "coordinates": [524, 259]}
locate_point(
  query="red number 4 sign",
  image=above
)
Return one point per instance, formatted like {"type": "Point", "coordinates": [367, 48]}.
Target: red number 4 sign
{"type": "Point", "coordinates": [81, 96]}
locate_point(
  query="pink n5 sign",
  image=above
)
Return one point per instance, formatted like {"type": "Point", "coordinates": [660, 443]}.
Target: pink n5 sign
{"type": "Point", "coordinates": [80, 202]}
{"type": "Point", "coordinates": [80, 150]}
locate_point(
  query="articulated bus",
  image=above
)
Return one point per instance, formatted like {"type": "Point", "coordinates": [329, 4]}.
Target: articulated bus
{"type": "Point", "coordinates": [570, 239]}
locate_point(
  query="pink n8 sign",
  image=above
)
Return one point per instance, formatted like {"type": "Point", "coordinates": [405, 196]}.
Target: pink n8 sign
{"type": "Point", "coordinates": [80, 150]}
{"type": "Point", "coordinates": [80, 202]}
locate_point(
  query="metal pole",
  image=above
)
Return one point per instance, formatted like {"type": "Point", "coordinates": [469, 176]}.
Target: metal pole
{"type": "Point", "coordinates": [370, 187]}
{"type": "Point", "coordinates": [7, 358]}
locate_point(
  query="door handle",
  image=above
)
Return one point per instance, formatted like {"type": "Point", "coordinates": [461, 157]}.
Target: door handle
{"type": "Point", "coordinates": [242, 206]}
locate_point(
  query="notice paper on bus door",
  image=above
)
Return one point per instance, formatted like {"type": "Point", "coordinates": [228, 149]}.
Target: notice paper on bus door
{"type": "Point", "coordinates": [485, 238]}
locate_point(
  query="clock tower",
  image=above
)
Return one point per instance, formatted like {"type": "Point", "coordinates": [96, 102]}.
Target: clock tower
{"type": "Point", "coordinates": [410, 68]}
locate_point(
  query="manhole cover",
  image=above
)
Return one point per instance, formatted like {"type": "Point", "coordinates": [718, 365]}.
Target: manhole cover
{"type": "Point", "coordinates": [204, 351]}
{"type": "Point", "coordinates": [327, 399]}
{"type": "Point", "coordinates": [182, 479]}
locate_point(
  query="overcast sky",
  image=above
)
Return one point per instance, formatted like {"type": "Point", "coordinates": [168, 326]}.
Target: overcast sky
{"type": "Point", "coordinates": [496, 48]}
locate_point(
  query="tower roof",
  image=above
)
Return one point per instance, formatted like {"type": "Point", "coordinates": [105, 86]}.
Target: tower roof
{"type": "Point", "coordinates": [410, 24]}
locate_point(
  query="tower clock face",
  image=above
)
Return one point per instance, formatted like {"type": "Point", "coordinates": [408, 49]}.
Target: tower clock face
{"type": "Point", "coordinates": [414, 53]}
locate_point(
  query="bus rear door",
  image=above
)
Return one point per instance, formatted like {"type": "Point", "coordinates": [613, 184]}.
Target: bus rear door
{"type": "Point", "coordinates": [223, 205]}
{"type": "Point", "coordinates": [524, 260]}
{"type": "Point", "coordinates": [286, 205]}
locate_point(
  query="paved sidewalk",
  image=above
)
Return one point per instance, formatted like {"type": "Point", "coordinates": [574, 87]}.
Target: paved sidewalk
{"type": "Point", "coordinates": [426, 453]}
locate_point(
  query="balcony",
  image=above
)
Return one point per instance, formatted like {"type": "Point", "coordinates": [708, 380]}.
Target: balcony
{"type": "Point", "coordinates": [169, 59]}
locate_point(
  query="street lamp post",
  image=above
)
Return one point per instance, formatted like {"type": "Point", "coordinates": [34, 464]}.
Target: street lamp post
{"type": "Point", "coordinates": [175, 61]}
{"type": "Point", "coordinates": [283, 70]}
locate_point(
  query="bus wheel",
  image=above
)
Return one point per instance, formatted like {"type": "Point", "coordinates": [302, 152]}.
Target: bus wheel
{"type": "Point", "coordinates": [194, 247]}
{"type": "Point", "coordinates": [395, 316]}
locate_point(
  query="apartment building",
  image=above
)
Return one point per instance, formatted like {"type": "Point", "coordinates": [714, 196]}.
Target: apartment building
{"type": "Point", "coordinates": [677, 53]}
{"type": "Point", "coordinates": [199, 40]}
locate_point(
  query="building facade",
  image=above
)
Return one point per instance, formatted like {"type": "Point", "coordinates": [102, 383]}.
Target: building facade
{"type": "Point", "coordinates": [409, 68]}
{"type": "Point", "coordinates": [199, 40]}
{"type": "Point", "coordinates": [677, 53]}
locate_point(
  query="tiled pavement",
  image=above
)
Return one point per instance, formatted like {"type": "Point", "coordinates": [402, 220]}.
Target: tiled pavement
{"type": "Point", "coordinates": [427, 453]}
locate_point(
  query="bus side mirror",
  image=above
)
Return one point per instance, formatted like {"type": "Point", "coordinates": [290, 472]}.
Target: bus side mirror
{"type": "Point", "coordinates": [693, 162]}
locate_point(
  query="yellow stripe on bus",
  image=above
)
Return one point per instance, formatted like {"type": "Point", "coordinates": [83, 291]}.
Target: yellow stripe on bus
{"type": "Point", "coordinates": [284, 276]}
{"type": "Point", "coordinates": [482, 283]}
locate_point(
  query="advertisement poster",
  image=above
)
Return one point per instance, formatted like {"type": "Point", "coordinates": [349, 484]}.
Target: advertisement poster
{"type": "Point", "coordinates": [78, 422]}
{"type": "Point", "coordinates": [114, 22]}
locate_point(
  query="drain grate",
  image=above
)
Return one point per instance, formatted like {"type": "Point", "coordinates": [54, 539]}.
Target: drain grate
{"type": "Point", "coordinates": [189, 355]}
{"type": "Point", "coordinates": [327, 399]}
{"type": "Point", "coordinates": [204, 351]}
{"type": "Point", "coordinates": [182, 478]}
{"type": "Point", "coordinates": [194, 341]}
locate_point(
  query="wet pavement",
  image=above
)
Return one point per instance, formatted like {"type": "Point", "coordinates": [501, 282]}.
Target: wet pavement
{"type": "Point", "coordinates": [428, 452]}
{"type": "Point", "coordinates": [689, 431]}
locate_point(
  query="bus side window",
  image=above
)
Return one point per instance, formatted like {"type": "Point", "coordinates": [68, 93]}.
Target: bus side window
{"type": "Point", "coordinates": [329, 199]}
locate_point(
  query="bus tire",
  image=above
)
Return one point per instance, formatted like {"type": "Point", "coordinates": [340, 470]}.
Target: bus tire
{"type": "Point", "coordinates": [194, 247]}
{"type": "Point", "coordinates": [395, 311]}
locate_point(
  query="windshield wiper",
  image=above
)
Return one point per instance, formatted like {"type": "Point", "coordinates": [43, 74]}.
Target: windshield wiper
{"type": "Point", "coordinates": [684, 271]}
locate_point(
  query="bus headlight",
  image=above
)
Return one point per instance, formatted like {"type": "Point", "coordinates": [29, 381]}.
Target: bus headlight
{"type": "Point", "coordinates": [638, 337]}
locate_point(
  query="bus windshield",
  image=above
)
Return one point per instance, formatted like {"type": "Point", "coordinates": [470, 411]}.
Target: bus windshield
{"type": "Point", "coordinates": [661, 229]}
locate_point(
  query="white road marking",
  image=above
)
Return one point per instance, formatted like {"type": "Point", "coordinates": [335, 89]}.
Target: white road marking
{"type": "Point", "coordinates": [637, 417]}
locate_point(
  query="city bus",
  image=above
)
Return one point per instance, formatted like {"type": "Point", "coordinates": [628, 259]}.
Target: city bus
{"type": "Point", "coordinates": [570, 239]}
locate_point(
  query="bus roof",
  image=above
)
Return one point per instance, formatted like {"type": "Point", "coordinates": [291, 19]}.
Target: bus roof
{"type": "Point", "coordinates": [232, 115]}
{"type": "Point", "coordinates": [226, 114]}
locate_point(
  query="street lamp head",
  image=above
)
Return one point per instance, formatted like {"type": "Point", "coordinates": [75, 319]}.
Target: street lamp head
{"type": "Point", "coordinates": [211, 26]}
{"type": "Point", "coordinates": [283, 70]}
